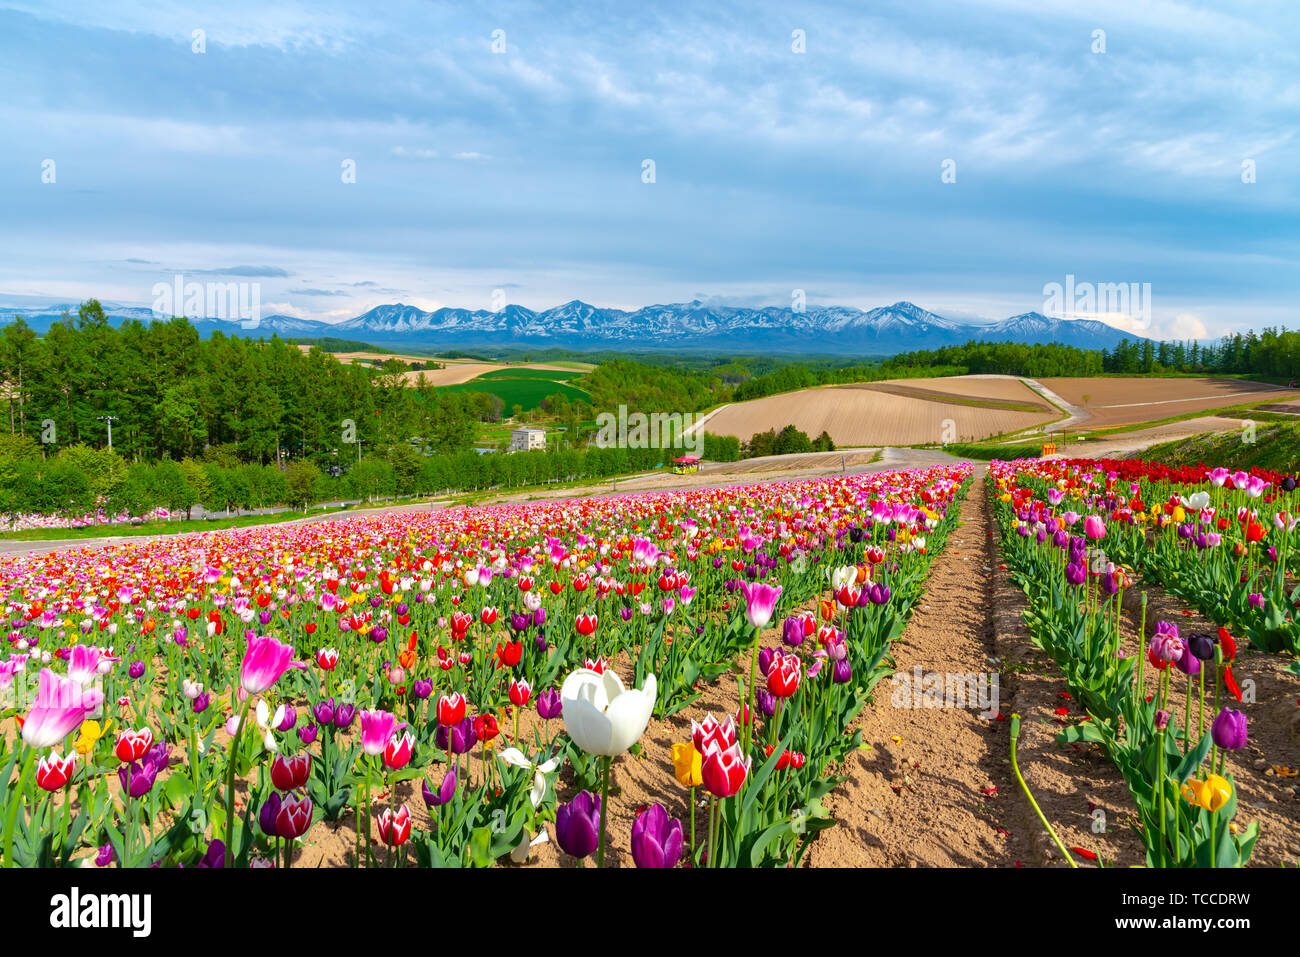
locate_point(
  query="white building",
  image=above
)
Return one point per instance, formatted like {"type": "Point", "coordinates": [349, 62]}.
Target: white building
{"type": "Point", "coordinates": [525, 440]}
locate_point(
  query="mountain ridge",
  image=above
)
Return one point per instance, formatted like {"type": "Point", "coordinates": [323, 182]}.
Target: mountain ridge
{"type": "Point", "coordinates": [693, 326]}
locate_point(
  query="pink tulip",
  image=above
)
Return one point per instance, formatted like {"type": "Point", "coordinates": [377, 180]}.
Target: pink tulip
{"type": "Point", "coordinates": [83, 664]}
{"type": "Point", "coordinates": [377, 727]}
{"type": "Point", "coordinates": [61, 705]}
{"type": "Point", "coordinates": [1094, 527]}
{"type": "Point", "coordinates": [264, 662]}
{"type": "Point", "coordinates": [760, 602]}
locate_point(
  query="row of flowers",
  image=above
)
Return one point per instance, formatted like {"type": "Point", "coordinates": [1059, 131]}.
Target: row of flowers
{"type": "Point", "coordinates": [1174, 764]}
{"type": "Point", "coordinates": [1221, 540]}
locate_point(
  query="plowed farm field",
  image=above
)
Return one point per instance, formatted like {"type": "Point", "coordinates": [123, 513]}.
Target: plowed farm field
{"type": "Point", "coordinates": [896, 412]}
{"type": "Point", "coordinates": [1110, 402]}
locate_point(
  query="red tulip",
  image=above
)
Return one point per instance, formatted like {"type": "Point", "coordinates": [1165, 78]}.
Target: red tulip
{"type": "Point", "coordinates": [723, 770]}
{"type": "Point", "coordinates": [133, 745]}
{"type": "Point", "coordinates": [54, 772]}
{"type": "Point", "coordinates": [395, 829]}
{"type": "Point", "coordinates": [783, 675]}
{"type": "Point", "coordinates": [290, 774]}
{"type": "Point", "coordinates": [520, 692]}
{"type": "Point", "coordinates": [451, 710]}
{"type": "Point", "coordinates": [327, 659]}
{"type": "Point", "coordinates": [510, 653]}
{"type": "Point", "coordinates": [488, 616]}
{"type": "Point", "coordinates": [713, 731]}
{"type": "Point", "coordinates": [586, 624]}
{"type": "Point", "coordinates": [294, 817]}
{"type": "Point", "coordinates": [485, 727]}
{"type": "Point", "coordinates": [397, 753]}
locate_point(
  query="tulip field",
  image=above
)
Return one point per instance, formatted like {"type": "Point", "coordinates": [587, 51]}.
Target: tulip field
{"type": "Point", "coordinates": [457, 688]}
{"type": "Point", "coordinates": [471, 687]}
{"type": "Point", "coordinates": [1075, 536]}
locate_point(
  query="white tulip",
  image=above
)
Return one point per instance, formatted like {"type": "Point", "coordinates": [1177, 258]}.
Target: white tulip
{"type": "Point", "coordinates": [1196, 501]}
{"type": "Point", "coordinates": [515, 758]}
{"type": "Point", "coordinates": [842, 576]}
{"type": "Point", "coordinates": [600, 715]}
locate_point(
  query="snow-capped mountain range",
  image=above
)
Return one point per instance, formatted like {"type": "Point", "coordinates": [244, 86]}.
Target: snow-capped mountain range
{"type": "Point", "coordinates": [694, 326]}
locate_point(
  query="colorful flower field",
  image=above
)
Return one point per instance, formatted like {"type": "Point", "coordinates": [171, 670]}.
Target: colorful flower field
{"type": "Point", "coordinates": [1164, 705]}
{"type": "Point", "coordinates": [464, 687]}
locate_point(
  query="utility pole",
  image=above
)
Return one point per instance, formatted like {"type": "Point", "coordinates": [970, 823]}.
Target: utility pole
{"type": "Point", "coordinates": [110, 419]}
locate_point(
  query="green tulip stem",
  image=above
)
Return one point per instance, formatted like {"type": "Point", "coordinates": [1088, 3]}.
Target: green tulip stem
{"type": "Point", "coordinates": [230, 783]}
{"type": "Point", "coordinates": [747, 715]}
{"type": "Point", "coordinates": [1015, 734]}
{"type": "Point", "coordinates": [15, 802]}
{"type": "Point", "coordinates": [604, 803]}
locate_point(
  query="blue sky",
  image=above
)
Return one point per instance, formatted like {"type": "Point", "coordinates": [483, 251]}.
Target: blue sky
{"type": "Point", "coordinates": [774, 170]}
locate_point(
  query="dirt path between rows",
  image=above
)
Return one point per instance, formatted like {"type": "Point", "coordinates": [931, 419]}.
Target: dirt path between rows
{"type": "Point", "coordinates": [935, 789]}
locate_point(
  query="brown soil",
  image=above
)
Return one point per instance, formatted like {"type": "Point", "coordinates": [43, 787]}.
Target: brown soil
{"type": "Point", "coordinates": [872, 417]}
{"type": "Point", "coordinates": [935, 789]}
{"type": "Point", "coordinates": [1121, 401]}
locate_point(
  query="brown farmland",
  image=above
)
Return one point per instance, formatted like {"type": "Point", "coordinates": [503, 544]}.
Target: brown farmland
{"type": "Point", "coordinates": [896, 412]}
{"type": "Point", "coordinates": [1126, 401]}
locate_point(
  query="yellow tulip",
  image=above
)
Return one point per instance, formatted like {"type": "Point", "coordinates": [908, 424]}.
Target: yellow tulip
{"type": "Point", "coordinates": [1211, 794]}
{"type": "Point", "coordinates": [686, 764]}
{"type": "Point", "coordinates": [90, 733]}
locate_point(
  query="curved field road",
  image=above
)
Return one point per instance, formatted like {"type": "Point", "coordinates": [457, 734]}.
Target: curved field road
{"type": "Point", "coordinates": [923, 795]}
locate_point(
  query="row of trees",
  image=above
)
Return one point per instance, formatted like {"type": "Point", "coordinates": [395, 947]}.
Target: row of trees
{"type": "Point", "coordinates": [788, 441]}
{"type": "Point", "coordinates": [81, 480]}
{"type": "Point", "coordinates": [171, 395]}
{"type": "Point", "coordinates": [1273, 353]}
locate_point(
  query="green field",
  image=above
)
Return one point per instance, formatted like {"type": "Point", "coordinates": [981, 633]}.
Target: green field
{"type": "Point", "coordinates": [554, 375]}
{"type": "Point", "coordinates": [525, 392]}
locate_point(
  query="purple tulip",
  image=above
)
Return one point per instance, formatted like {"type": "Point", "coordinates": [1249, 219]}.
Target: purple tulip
{"type": "Point", "coordinates": [267, 815]}
{"type": "Point", "coordinates": [215, 856]}
{"type": "Point", "coordinates": [323, 711]}
{"type": "Point", "coordinates": [1166, 644]}
{"type": "Point", "coordinates": [656, 839]}
{"type": "Point", "coordinates": [1229, 729]}
{"type": "Point", "coordinates": [444, 793]}
{"type": "Point", "coordinates": [842, 672]}
{"type": "Point", "coordinates": [136, 670]}
{"type": "Point", "coordinates": [764, 660]}
{"type": "Point", "coordinates": [307, 733]}
{"type": "Point", "coordinates": [343, 716]}
{"type": "Point", "coordinates": [105, 856]}
{"type": "Point", "coordinates": [1162, 720]}
{"type": "Point", "coordinates": [289, 720]}
{"type": "Point", "coordinates": [792, 631]}
{"type": "Point", "coordinates": [1201, 646]}
{"type": "Point", "coordinates": [378, 634]}
{"type": "Point", "coordinates": [137, 778]}
{"type": "Point", "coordinates": [577, 825]}
{"type": "Point", "coordinates": [548, 704]}
{"type": "Point", "coordinates": [422, 688]}
{"type": "Point", "coordinates": [539, 617]}
{"type": "Point", "coordinates": [765, 701]}
{"type": "Point", "coordinates": [201, 702]}
{"type": "Point", "coordinates": [519, 621]}
{"type": "Point", "coordinates": [457, 738]}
